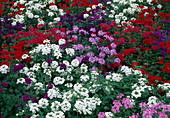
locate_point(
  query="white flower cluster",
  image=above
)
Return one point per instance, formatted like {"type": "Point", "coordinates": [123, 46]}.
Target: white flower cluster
{"type": "Point", "coordinates": [140, 87]}
{"type": "Point", "coordinates": [152, 100]}
{"type": "Point", "coordinates": [57, 114]}
{"type": "Point", "coordinates": [34, 9]}
{"type": "Point", "coordinates": [4, 69]}
{"type": "Point", "coordinates": [165, 87]}
{"type": "Point", "coordinates": [128, 71]}
{"type": "Point", "coordinates": [81, 90]}
{"type": "Point", "coordinates": [70, 51]}
{"type": "Point", "coordinates": [58, 80]}
{"type": "Point", "coordinates": [86, 105]}
{"type": "Point", "coordinates": [114, 77]}
{"type": "Point", "coordinates": [65, 106]}
{"type": "Point", "coordinates": [35, 107]}
{"type": "Point", "coordinates": [54, 93]}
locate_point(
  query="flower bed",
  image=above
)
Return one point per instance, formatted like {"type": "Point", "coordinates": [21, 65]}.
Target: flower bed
{"type": "Point", "coordinates": [85, 59]}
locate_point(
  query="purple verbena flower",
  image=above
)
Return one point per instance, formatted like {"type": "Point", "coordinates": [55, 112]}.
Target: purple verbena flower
{"type": "Point", "coordinates": [101, 54]}
{"type": "Point", "coordinates": [5, 84]}
{"type": "Point", "coordinates": [106, 50]}
{"type": "Point", "coordinates": [79, 59]}
{"type": "Point", "coordinates": [27, 80]}
{"type": "Point", "coordinates": [117, 60]}
{"type": "Point", "coordinates": [45, 96]}
{"type": "Point", "coordinates": [26, 116]}
{"type": "Point", "coordinates": [113, 45]}
{"type": "Point", "coordinates": [26, 98]}
{"type": "Point", "coordinates": [74, 37]}
{"type": "Point", "coordinates": [49, 60]}
{"type": "Point", "coordinates": [92, 59]}
{"type": "Point", "coordinates": [101, 61]}
{"type": "Point", "coordinates": [94, 68]}
{"type": "Point", "coordinates": [1, 90]}
{"type": "Point", "coordinates": [90, 54]}
{"type": "Point", "coordinates": [34, 100]}
{"type": "Point", "coordinates": [75, 29]}
{"type": "Point", "coordinates": [49, 86]}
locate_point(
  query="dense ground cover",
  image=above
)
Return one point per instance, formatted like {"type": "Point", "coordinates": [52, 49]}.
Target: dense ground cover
{"type": "Point", "coordinates": [85, 59]}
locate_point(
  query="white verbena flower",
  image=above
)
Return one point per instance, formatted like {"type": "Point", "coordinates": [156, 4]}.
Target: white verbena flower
{"type": "Point", "coordinates": [58, 80]}
{"type": "Point", "coordinates": [75, 62]}
{"type": "Point", "coordinates": [61, 41]}
{"type": "Point", "coordinates": [43, 103]}
{"type": "Point", "coordinates": [55, 106]}
{"type": "Point", "coordinates": [65, 106]}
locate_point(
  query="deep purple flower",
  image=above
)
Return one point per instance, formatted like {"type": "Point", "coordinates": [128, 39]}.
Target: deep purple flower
{"type": "Point", "coordinates": [102, 14]}
{"type": "Point", "coordinates": [15, 68]}
{"type": "Point", "coordinates": [79, 20]}
{"type": "Point", "coordinates": [8, 41]}
{"type": "Point", "coordinates": [161, 40]}
{"type": "Point", "coordinates": [49, 53]}
{"type": "Point", "coordinates": [164, 31]}
{"type": "Point", "coordinates": [167, 21]}
{"type": "Point", "coordinates": [62, 66]}
{"type": "Point", "coordinates": [19, 106]}
{"type": "Point", "coordinates": [49, 60]}
{"type": "Point", "coordinates": [21, 66]}
{"type": "Point", "coordinates": [162, 52]}
{"type": "Point", "coordinates": [45, 96]}
{"type": "Point", "coordinates": [106, 73]}
{"type": "Point", "coordinates": [103, 8]}
{"type": "Point", "coordinates": [85, 59]}
{"type": "Point", "coordinates": [161, 35]}
{"type": "Point", "coordinates": [26, 98]}
{"type": "Point", "coordinates": [1, 116]}
{"type": "Point", "coordinates": [156, 42]}
{"type": "Point", "coordinates": [97, 7]}
{"type": "Point", "coordinates": [50, 86]}
{"type": "Point", "coordinates": [99, 22]}
{"type": "Point", "coordinates": [5, 84]}
{"type": "Point", "coordinates": [27, 80]}
{"type": "Point", "coordinates": [70, 23]}
{"type": "Point", "coordinates": [34, 100]}
{"type": "Point", "coordinates": [158, 32]}
{"type": "Point", "coordinates": [167, 38]}
{"type": "Point", "coordinates": [26, 117]}
{"type": "Point", "coordinates": [1, 90]}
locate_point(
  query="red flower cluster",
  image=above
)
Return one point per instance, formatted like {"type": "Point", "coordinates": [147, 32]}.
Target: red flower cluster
{"type": "Point", "coordinates": [129, 51]}
{"type": "Point", "coordinates": [167, 68]}
{"type": "Point", "coordinates": [148, 41]}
